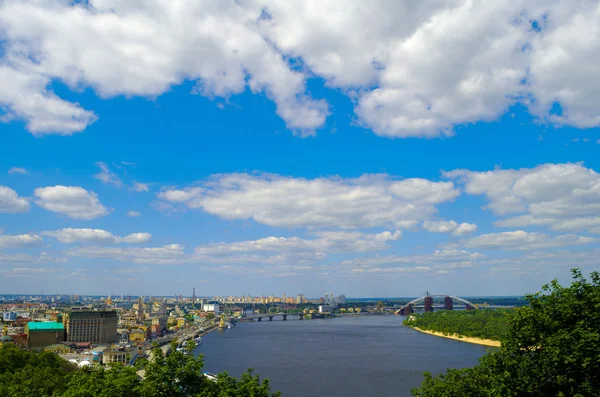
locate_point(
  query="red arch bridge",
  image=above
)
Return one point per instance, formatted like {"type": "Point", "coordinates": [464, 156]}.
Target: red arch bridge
{"type": "Point", "coordinates": [430, 302]}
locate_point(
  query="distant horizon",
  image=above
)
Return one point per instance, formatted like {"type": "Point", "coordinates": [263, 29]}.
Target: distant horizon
{"type": "Point", "coordinates": [309, 298]}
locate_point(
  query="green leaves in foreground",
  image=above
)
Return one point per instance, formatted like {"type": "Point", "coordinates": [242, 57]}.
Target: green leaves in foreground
{"type": "Point", "coordinates": [552, 348]}
{"type": "Point", "coordinates": [33, 374]}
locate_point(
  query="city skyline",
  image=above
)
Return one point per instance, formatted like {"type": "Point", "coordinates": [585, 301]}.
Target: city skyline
{"type": "Point", "coordinates": [297, 150]}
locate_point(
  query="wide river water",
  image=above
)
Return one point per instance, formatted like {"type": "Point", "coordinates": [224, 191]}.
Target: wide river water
{"type": "Point", "coordinates": [361, 356]}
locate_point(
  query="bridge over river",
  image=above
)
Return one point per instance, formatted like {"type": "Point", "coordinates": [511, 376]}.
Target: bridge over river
{"type": "Point", "coordinates": [270, 316]}
{"type": "Point", "coordinates": [427, 303]}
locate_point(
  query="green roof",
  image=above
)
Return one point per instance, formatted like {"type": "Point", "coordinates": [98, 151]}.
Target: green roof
{"type": "Point", "coordinates": [47, 326]}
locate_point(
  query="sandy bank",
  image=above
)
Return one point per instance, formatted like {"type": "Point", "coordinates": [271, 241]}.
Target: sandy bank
{"type": "Point", "coordinates": [477, 341]}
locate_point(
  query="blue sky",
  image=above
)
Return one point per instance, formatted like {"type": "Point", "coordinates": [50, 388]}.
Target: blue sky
{"type": "Point", "coordinates": [280, 154]}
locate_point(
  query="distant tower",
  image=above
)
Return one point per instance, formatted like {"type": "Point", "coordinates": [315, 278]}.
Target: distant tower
{"type": "Point", "coordinates": [140, 314]}
{"type": "Point", "coordinates": [194, 297]}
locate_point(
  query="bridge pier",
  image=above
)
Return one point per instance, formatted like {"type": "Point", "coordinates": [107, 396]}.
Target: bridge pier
{"type": "Point", "coordinates": [260, 319]}
{"type": "Point", "coordinates": [301, 316]}
{"type": "Point", "coordinates": [428, 304]}
{"type": "Point", "coordinates": [270, 318]}
{"type": "Point", "coordinates": [284, 317]}
{"type": "Point", "coordinates": [448, 304]}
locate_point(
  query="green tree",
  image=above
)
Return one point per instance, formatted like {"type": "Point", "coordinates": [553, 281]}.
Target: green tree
{"type": "Point", "coordinates": [31, 374]}
{"type": "Point", "coordinates": [486, 324]}
{"type": "Point", "coordinates": [380, 306]}
{"type": "Point", "coordinates": [552, 348]}
{"type": "Point", "coordinates": [41, 374]}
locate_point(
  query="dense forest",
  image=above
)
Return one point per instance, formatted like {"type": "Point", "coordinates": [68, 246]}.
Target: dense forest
{"type": "Point", "coordinates": [551, 348]}
{"type": "Point", "coordinates": [41, 374]}
{"type": "Point", "coordinates": [486, 324]}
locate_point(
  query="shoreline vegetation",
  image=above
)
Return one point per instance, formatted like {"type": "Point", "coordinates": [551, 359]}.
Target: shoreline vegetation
{"type": "Point", "coordinates": [548, 349]}
{"type": "Point", "coordinates": [461, 338]}
{"type": "Point", "coordinates": [485, 327]}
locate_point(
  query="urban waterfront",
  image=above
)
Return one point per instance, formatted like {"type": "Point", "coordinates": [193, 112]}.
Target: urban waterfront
{"type": "Point", "coordinates": [364, 355]}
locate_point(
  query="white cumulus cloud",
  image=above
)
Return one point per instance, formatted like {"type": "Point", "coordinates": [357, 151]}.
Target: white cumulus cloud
{"type": "Point", "coordinates": [10, 202]}
{"type": "Point", "coordinates": [21, 240]}
{"type": "Point", "coordinates": [437, 64]}
{"type": "Point", "coordinates": [142, 49]}
{"type": "Point", "coordinates": [72, 201]}
{"type": "Point", "coordinates": [464, 229]}
{"type": "Point", "coordinates": [137, 238]}
{"type": "Point", "coordinates": [368, 201]}
{"type": "Point", "coordinates": [521, 240]}
{"type": "Point", "coordinates": [413, 69]}
{"type": "Point", "coordinates": [445, 259]}
{"type": "Point", "coordinates": [564, 197]}
{"type": "Point", "coordinates": [449, 227]}
{"type": "Point", "coordinates": [24, 95]}
{"type": "Point", "coordinates": [95, 236]}
{"type": "Point", "coordinates": [167, 254]}
{"type": "Point", "coordinates": [270, 249]}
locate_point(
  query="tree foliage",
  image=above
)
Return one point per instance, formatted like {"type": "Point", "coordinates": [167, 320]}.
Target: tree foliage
{"type": "Point", "coordinates": [42, 374]}
{"type": "Point", "coordinates": [552, 348]}
{"type": "Point", "coordinates": [486, 324]}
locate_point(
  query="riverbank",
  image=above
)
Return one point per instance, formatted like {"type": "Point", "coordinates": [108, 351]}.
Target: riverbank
{"type": "Point", "coordinates": [468, 339]}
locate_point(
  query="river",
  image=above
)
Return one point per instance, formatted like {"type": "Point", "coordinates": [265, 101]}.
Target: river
{"type": "Point", "coordinates": [361, 356]}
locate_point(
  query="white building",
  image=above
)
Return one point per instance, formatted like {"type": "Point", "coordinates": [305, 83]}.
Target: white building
{"type": "Point", "coordinates": [211, 308]}
{"type": "Point", "coordinates": [325, 309]}
{"type": "Point", "coordinates": [9, 316]}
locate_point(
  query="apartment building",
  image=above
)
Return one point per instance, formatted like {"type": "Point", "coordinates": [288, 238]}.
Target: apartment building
{"type": "Point", "coordinates": [91, 326]}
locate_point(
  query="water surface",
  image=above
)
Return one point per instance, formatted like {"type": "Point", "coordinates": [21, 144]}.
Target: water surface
{"type": "Point", "coordinates": [362, 356]}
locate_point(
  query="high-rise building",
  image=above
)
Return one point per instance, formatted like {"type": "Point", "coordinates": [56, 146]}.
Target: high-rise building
{"type": "Point", "coordinates": [91, 326]}
{"type": "Point", "coordinates": [340, 299]}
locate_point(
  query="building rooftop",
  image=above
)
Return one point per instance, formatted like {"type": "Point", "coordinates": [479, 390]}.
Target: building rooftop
{"type": "Point", "coordinates": [45, 326]}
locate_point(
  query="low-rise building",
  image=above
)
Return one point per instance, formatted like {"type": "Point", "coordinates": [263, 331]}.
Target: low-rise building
{"type": "Point", "coordinates": [44, 334]}
{"type": "Point", "coordinates": [58, 349]}
{"type": "Point", "coordinates": [211, 308]}
{"type": "Point", "coordinates": [9, 316]}
{"type": "Point", "coordinates": [123, 355]}
{"type": "Point", "coordinates": [123, 336]}
{"type": "Point", "coordinates": [181, 322]}
{"type": "Point", "coordinates": [137, 336]}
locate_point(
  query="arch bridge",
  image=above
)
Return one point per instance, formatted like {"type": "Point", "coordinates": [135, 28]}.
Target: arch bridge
{"type": "Point", "coordinates": [428, 303]}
